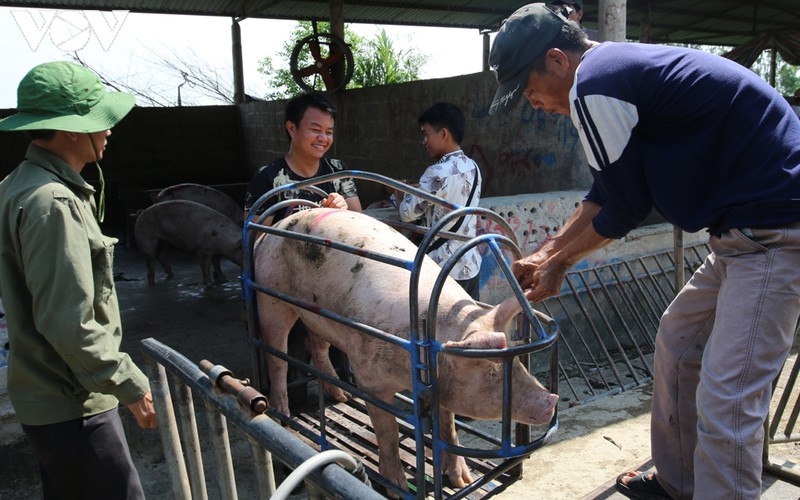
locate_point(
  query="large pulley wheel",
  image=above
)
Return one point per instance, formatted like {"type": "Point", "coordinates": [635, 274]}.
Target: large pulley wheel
{"type": "Point", "coordinates": [321, 61]}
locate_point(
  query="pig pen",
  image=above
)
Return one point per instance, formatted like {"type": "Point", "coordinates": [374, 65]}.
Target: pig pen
{"type": "Point", "coordinates": [493, 454]}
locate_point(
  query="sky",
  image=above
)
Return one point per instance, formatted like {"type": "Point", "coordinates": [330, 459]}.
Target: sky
{"type": "Point", "coordinates": [124, 46]}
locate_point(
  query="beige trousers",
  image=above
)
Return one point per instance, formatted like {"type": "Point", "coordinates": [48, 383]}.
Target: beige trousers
{"type": "Point", "coordinates": [719, 346]}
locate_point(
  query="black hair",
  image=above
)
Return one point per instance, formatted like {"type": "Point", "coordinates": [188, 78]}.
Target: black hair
{"type": "Point", "coordinates": [46, 135]}
{"type": "Point", "coordinates": [571, 38]}
{"type": "Point", "coordinates": [561, 3]}
{"type": "Point", "coordinates": [445, 115]}
{"type": "Point", "coordinates": [297, 106]}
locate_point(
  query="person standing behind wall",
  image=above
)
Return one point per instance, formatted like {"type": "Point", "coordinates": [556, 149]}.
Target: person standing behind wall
{"type": "Point", "coordinates": [576, 14]}
{"type": "Point", "coordinates": [454, 177]}
{"type": "Point", "coordinates": [66, 374]}
{"type": "Point", "coordinates": [710, 145]}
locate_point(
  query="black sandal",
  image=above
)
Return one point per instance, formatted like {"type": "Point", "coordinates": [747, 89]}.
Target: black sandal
{"type": "Point", "coordinates": [642, 486]}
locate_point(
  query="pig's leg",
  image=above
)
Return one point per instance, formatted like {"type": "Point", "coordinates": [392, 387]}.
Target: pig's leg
{"type": "Point", "coordinates": [321, 360]}
{"type": "Point", "coordinates": [161, 257]}
{"type": "Point", "coordinates": [275, 321]}
{"type": "Point", "coordinates": [205, 266]}
{"type": "Point", "coordinates": [387, 435]}
{"type": "Point", "coordinates": [151, 271]}
{"type": "Point", "coordinates": [218, 276]}
{"type": "Point", "coordinates": [455, 466]}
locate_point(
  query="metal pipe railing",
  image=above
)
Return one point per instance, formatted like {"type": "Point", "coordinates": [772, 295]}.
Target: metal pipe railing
{"type": "Point", "coordinates": [222, 408]}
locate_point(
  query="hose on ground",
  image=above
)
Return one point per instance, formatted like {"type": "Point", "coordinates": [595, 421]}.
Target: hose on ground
{"type": "Point", "coordinates": [341, 458]}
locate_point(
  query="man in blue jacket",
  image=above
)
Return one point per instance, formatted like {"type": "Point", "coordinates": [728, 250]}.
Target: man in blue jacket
{"type": "Point", "coordinates": [711, 146]}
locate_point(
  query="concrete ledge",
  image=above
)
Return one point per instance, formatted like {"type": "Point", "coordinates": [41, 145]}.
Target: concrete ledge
{"type": "Point", "coordinates": [536, 218]}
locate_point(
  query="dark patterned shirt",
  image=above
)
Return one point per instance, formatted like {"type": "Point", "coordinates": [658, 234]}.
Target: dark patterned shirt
{"type": "Point", "coordinates": [278, 174]}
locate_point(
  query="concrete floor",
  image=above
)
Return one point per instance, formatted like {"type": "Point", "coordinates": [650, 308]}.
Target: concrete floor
{"type": "Point", "coordinates": [595, 441]}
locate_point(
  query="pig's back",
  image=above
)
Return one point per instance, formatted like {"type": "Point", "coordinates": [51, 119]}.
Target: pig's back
{"type": "Point", "coordinates": [204, 195]}
{"type": "Point", "coordinates": [364, 289]}
{"type": "Point", "coordinates": [184, 224]}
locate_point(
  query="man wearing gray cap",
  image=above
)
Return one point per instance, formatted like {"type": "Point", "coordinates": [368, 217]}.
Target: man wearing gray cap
{"type": "Point", "coordinates": [711, 146]}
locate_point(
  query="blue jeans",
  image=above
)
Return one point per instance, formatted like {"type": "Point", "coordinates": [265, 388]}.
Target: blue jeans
{"type": "Point", "coordinates": [85, 458]}
{"type": "Point", "coordinates": [719, 346]}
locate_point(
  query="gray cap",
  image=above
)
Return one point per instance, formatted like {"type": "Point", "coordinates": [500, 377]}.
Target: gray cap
{"type": "Point", "coordinates": [522, 38]}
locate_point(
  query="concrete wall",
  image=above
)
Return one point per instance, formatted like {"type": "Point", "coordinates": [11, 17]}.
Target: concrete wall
{"type": "Point", "coordinates": [536, 218]}
{"type": "Point", "coordinates": [526, 151]}
{"type": "Point", "coordinates": [154, 148]}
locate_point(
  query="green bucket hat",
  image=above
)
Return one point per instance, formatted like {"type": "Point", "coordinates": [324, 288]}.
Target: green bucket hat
{"type": "Point", "coordinates": [66, 96]}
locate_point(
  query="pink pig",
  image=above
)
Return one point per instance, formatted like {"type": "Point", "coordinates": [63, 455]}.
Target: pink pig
{"type": "Point", "coordinates": [377, 294]}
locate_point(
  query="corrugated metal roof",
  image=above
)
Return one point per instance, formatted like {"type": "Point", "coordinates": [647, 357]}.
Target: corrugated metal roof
{"type": "Point", "coordinates": [718, 22]}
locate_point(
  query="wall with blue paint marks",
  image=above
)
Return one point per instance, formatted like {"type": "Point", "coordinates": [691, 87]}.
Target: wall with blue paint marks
{"type": "Point", "coordinates": [535, 219]}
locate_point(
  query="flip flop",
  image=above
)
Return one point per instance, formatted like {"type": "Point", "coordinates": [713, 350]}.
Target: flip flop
{"type": "Point", "coordinates": [641, 486]}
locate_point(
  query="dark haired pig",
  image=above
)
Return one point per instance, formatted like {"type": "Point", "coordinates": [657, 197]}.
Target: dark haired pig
{"type": "Point", "coordinates": [377, 294]}
{"type": "Point", "coordinates": [189, 226]}
{"type": "Point", "coordinates": [205, 195]}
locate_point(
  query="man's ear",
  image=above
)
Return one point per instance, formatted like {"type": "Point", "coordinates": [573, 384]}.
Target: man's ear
{"type": "Point", "coordinates": [291, 128]}
{"type": "Point", "coordinates": [557, 61]}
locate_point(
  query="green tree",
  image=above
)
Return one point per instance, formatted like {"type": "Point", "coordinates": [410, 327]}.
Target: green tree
{"type": "Point", "coordinates": [382, 64]}
{"type": "Point", "coordinates": [787, 77]}
{"type": "Point", "coordinates": [377, 61]}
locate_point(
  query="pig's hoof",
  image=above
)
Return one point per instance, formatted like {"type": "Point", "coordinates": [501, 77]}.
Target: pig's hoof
{"type": "Point", "coordinates": [457, 471]}
{"type": "Point", "coordinates": [336, 393]}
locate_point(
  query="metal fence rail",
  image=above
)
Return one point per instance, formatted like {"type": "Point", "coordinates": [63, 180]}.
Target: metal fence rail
{"type": "Point", "coordinates": [608, 317]}
{"type": "Point", "coordinates": [781, 426]}
{"type": "Point", "coordinates": [227, 399]}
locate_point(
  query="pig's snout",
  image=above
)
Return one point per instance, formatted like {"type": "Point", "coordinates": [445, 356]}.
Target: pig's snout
{"type": "Point", "coordinates": [546, 410]}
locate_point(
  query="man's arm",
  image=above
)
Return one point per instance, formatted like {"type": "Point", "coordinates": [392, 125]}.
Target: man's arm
{"type": "Point", "coordinates": [542, 273]}
{"type": "Point", "coordinates": [354, 204]}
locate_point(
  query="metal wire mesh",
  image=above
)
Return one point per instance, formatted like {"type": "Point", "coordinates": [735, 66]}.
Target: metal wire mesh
{"type": "Point", "coordinates": [608, 316]}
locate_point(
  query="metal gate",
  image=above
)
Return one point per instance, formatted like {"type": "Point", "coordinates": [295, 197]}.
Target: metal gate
{"type": "Point", "coordinates": [608, 318]}
{"type": "Point", "coordinates": [226, 399]}
{"type": "Point", "coordinates": [496, 456]}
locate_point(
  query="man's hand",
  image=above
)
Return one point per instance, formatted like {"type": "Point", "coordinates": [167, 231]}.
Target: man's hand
{"type": "Point", "coordinates": [144, 411]}
{"type": "Point", "coordinates": [525, 268]}
{"type": "Point", "coordinates": [538, 278]}
{"type": "Point", "coordinates": [335, 200]}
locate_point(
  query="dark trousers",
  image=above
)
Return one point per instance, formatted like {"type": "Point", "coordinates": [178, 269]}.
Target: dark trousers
{"type": "Point", "coordinates": [472, 286]}
{"type": "Point", "coordinates": [86, 458]}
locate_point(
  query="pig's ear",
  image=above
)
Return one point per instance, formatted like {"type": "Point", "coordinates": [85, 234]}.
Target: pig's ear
{"type": "Point", "coordinates": [480, 340]}
{"type": "Point", "coordinates": [504, 313]}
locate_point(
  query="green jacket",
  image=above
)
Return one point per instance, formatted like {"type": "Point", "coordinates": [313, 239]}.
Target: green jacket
{"type": "Point", "coordinates": [57, 287]}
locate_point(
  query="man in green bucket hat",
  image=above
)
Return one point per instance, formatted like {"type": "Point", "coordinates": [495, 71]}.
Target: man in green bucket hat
{"type": "Point", "coordinates": [66, 374]}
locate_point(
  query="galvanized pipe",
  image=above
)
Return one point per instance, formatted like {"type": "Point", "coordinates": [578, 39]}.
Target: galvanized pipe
{"type": "Point", "coordinates": [168, 429]}
{"type": "Point", "coordinates": [265, 474]}
{"type": "Point", "coordinates": [189, 437]}
{"type": "Point", "coordinates": [220, 445]}
{"type": "Point", "coordinates": [284, 446]}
